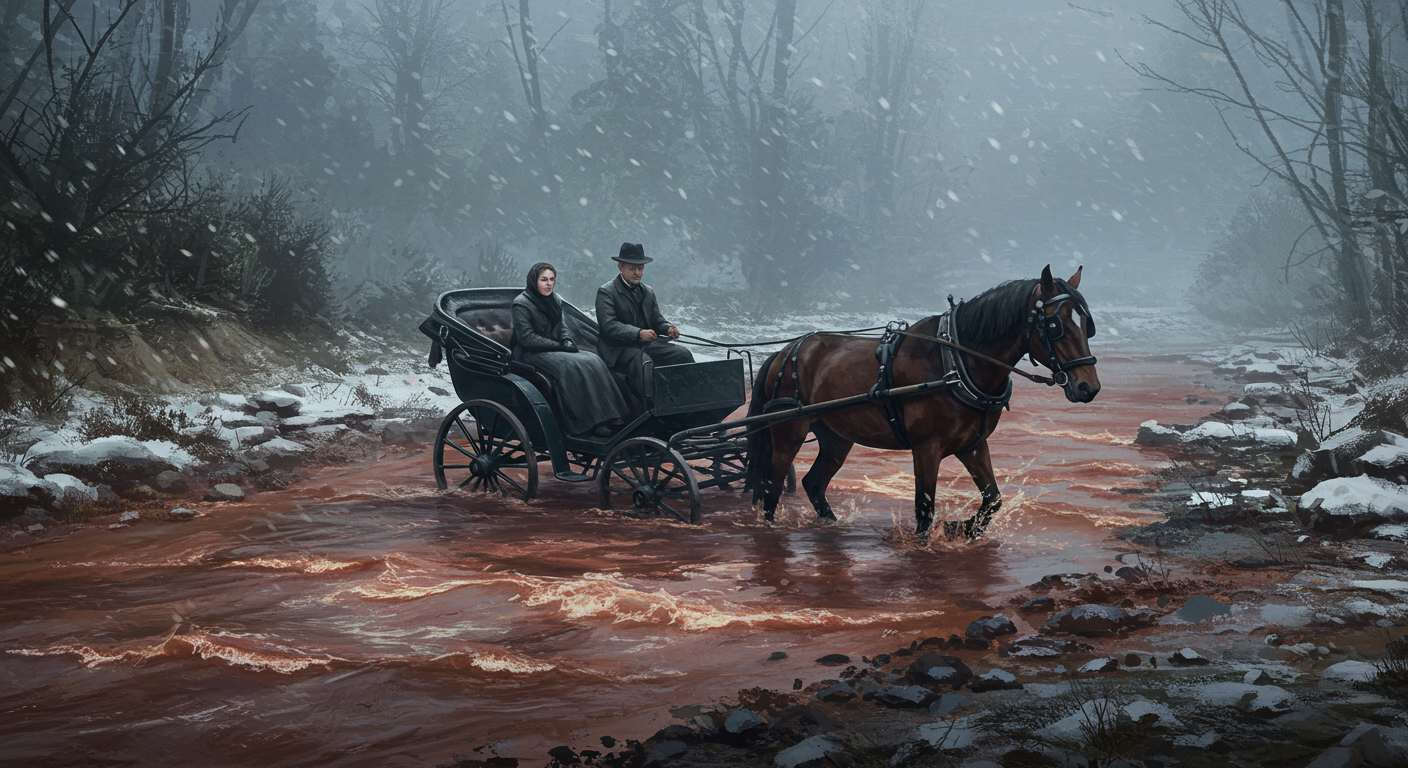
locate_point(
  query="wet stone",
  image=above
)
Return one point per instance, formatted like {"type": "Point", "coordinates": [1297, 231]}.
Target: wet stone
{"type": "Point", "coordinates": [563, 754]}
{"type": "Point", "coordinates": [1187, 657]}
{"type": "Point", "coordinates": [1037, 646]}
{"type": "Point", "coordinates": [172, 482]}
{"type": "Point", "coordinates": [994, 680]}
{"type": "Point", "coordinates": [1095, 620]}
{"type": "Point", "coordinates": [834, 660]}
{"type": "Point", "coordinates": [129, 517]}
{"type": "Point", "coordinates": [1200, 608]}
{"type": "Point", "coordinates": [1132, 659]}
{"type": "Point", "coordinates": [1130, 574]}
{"type": "Point", "coordinates": [817, 750]}
{"type": "Point", "coordinates": [936, 669]}
{"type": "Point", "coordinates": [225, 492]}
{"type": "Point", "coordinates": [904, 696]}
{"type": "Point", "coordinates": [990, 627]}
{"type": "Point", "coordinates": [1096, 666]}
{"type": "Point", "coordinates": [1038, 604]}
{"type": "Point", "coordinates": [1164, 600]}
{"type": "Point", "coordinates": [666, 750]}
{"type": "Point", "coordinates": [797, 684]}
{"type": "Point", "coordinates": [776, 656]}
{"type": "Point", "coordinates": [183, 513]}
{"type": "Point", "coordinates": [837, 693]}
{"type": "Point", "coordinates": [742, 721]}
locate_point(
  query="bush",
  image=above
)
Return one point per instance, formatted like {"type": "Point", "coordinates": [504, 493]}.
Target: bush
{"type": "Point", "coordinates": [149, 418]}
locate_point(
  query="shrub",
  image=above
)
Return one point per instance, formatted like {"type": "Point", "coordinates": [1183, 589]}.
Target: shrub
{"type": "Point", "coordinates": [149, 418]}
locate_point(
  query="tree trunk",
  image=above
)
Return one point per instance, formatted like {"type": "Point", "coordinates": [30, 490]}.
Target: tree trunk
{"type": "Point", "coordinates": [767, 274]}
{"type": "Point", "coordinates": [1352, 275]}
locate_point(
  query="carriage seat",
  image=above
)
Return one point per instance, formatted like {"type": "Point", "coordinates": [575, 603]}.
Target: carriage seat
{"type": "Point", "coordinates": [496, 324]}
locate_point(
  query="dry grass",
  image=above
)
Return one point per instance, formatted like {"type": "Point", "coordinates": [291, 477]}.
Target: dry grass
{"type": "Point", "coordinates": [148, 418]}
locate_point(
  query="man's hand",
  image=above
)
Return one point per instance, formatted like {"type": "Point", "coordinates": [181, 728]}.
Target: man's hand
{"type": "Point", "coordinates": [647, 335]}
{"type": "Point", "coordinates": [674, 332]}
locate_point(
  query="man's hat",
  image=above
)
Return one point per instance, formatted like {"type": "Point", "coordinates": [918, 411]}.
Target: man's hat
{"type": "Point", "coordinates": [632, 253]}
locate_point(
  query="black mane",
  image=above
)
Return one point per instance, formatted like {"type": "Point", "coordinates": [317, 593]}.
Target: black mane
{"type": "Point", "coordinates": [1000, 314]}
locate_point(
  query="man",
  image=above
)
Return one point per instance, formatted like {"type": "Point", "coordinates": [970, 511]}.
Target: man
{"type": "Point", "coordinates": [632, 326]}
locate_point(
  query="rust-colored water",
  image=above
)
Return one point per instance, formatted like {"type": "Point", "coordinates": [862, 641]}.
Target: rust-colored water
{"type": "Point", "coordinates": [363, 619]}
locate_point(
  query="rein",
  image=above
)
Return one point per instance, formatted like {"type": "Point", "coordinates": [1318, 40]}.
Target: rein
{"type": "Point", "coordinates": [1048, 381]}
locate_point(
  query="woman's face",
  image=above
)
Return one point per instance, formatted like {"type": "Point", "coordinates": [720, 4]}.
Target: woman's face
{"type": "Point", "coordinates": [547, 279]}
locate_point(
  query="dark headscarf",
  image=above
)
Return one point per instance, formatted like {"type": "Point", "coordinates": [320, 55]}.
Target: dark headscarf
{"type": "Point", "coordinates": [550, 305]}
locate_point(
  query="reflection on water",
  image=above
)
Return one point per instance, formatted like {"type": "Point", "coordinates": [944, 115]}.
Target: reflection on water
{"type": "Point", "coordinates": [362, 618]}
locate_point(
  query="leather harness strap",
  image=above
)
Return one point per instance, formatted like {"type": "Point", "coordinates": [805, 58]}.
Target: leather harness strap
{"type": "Point", "coordinates": [892, 408]}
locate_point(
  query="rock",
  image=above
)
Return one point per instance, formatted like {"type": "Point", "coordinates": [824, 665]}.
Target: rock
{"type": "Point", "coordinates": [1350, 671]}
{"type": "Point", "coordinates": [1095, 620]}
{"type": "Point", "coordinates": [1096, 666]}
{"type": "Point", "coordinates": [21, 489]}
{"type": "Point", "coordinates": [1336, 757]}
{"type": "Point", "coordinates": [1037, 604]}
{"type": "Point", "coordinates": [904, 696]}
{"type": "Point", "coordinates": [936, 669]}
{"type": "Point", "coordinates": [279, 453]}
{"type": "Point", "coordinates": [994, 680]}
{"type": "Point", "coordinates": [118, 461]}
{"type": "Point", "coordinates": [248, 437]}
{"type": "Point", "coordinates": [1130, 574]}
{"type": "Point", "coordinates": [36, 528]}
{"type": "Point", "coordinates": [1378, 745]}
{"type": "Point", "coordinates": [1065, 580]}
{"type": "Point", "coordinates": [331, 414]}
{"type": "Point", "coordinates": [777, 656]}
{"type": "Point", "coordinates": [1342, 455]}
{"type": "Point", "coordinates": [284, 404]}
{"type": "Point", "coordinates": [834, 660]}
{"type": "Point", "coordinates": [297, 390]}
{"type": "Point", "coordinates": [182, 513]}
{"type": "Point", "coordinates": [564, 755]}
{"type": "Point", "coordinates": [1132, 659]}
{"type": "Point", "coordinates": [1221, 433]}
{"type": "Point", "coordinates": [1348, 504]}
{"type": "Point", "coordinates": [225, 492]}
{"type": "Point", "coordinates": [411, 431]}
{"type": "Point", "coordinates": [130, 516]}
{"type": "Point", "coordinates": [172, 482]}
{"type": "Point", "coordinates": [990, 627]}
{"type": "Point", "coordinates": [1036, 646]}
{"type": "Point", "coordinates": [1153, 434]}
{"type": "Point", "coordinates": [866, 689]}
{"type": "Point", "coordinates": [743, 721]}
{"type": "Point", "coordinates": [947, 704]}
{"type": "Point", "coordinates": [666, 750]}
{"type": "Point", "coordinates": [814, 751]}
{"type": "Point", "coordinates": [74, 492]}
{"type": "Point", "coordinates": [378, 371]}
{"type": "Point", "coordinates": [1187, 657]}
{"type": "Point", "coordinates": [840, 692]}
{"type": "Point", "coordinates": [1256, 677]}
{"type": "Point", "coordinates": [1199, 608]}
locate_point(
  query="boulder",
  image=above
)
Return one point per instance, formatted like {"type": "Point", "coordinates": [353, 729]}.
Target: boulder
{"type": "Point", "coordinates": [1220, 433]}
{"type": "Point", "coordinates": [278, 453]}
{"type": "Point", "coordinates": [994, 680]}
{"type": "Point", "coordinates": [834, 660]}
{"type": "Point", "coordinates": [815, 751]}
{"type": "Point", "coordinates": [1386, 462]}
{"type": "Point", "coordinates": [743, 721]}
{"type": "Point", "coordinates": [118, 461]}
{"type": "Point", "coordinates": [1096, 620]}
{"type": "Point", "coordinates": [246, 437]}
{"type": "Point", "coordinates": [285, 404]}
{"type": "Point", "coordinates": [1152, 433]}
{"type": "Point", "coordinates": [837, 693]}
{"type": "Point", "coordinates": [225, 492]}
{"type": "Point", "coordinates": [1347, 504]}
{"type": "Point", "coordinates": [172, 482]}
{"type": "Point", "coordinates": [990, 627]}
{"type": "Point", "coordinates": [937, 670]}
{"type": "Point", "coordinates": [1350, 671]}
{"type": "Point", "coordinates": [1038, 604]}
{"type": "Point", "coordinates": [904, 696]}
{"type": "Point", "coordinates": [72, 491]}
{"type": "Point", "coordinates": [410, 431]}
{"type": "Point", "coordinates": [1342, 455]}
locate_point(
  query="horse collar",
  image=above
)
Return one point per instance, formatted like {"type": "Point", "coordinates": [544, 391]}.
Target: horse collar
{"type": "Point", "coordinates": [957, 378]}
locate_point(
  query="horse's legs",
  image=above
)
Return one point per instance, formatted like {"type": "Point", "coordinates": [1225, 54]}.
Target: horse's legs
{"type": "Point", "coordinates": [979, 464]}
{"type": "Point", "coordinates": [926, 477]}
{"type": "Point", "coordinates": [832, 450]}
{"type": "Point", "coordinates": [787, 439]}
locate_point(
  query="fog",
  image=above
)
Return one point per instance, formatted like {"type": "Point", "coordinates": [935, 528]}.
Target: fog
{"type": "Point", "coordinates": [893, 152]}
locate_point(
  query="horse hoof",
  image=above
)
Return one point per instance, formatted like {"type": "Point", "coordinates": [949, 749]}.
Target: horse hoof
{"type": "Point", "coordinates": [767, 517]}
{"type": "Point", "coordinates": [827, 516]}
{"type": "Point", "coordinates": [951, 530]}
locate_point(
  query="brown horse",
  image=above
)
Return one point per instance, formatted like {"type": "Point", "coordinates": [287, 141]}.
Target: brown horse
{"type": "Point", "coordinates": [1046, 318]}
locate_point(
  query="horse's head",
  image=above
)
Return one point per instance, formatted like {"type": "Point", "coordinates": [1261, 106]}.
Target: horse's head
{"type": "Point", "coordinates": [1059, 324]}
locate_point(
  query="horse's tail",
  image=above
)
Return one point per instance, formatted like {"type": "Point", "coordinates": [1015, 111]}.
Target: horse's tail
{"type": "Point", "coordinates": [759, 437]}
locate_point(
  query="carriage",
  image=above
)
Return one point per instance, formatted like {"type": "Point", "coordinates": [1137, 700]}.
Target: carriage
{"type": "Point", "coordinates": [510, 416]}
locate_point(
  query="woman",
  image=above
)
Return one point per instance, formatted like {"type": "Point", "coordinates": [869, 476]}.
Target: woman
{"type": "Point", "coordinates": [591, 404]}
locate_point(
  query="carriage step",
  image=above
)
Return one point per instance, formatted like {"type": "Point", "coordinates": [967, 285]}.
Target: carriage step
{"type": "Point", "coordinates": [571, 477]}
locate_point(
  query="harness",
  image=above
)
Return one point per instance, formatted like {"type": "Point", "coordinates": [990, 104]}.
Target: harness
{"type": "Point", "coordinates": [885, 352]}
{"type": "Point", "coordinates": [1049, 329]}
{"type": "Point", "coordinates": [789, 355]}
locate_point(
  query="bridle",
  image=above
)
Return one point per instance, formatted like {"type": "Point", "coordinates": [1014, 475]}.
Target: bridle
{"type": "Point", "coordinates": [1051, 328]}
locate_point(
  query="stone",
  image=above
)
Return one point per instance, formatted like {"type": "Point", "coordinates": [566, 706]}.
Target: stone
{"type": "Point", "coordinates": [183, 513]}
{"type": "Point", "coordinates": [1348, 504]}
{"type": "Point", "coordinates": [837, 693]}
{"type": "Point", "coordinates": [410, 431]}
{"type": "Point", "coordinates": [225, 492]}
{"type": "Point", "coordinates": [666, 750]}
{"type": "Point", "coordinates": [815, 751]}
{"type": "Point", "coordinates": [284, 404]}
{"type": "Point", "coordinates": [279, 453]}
{"type": "Point", "coordinates": [1154, 434]}
{"type": "Point", "coordinates": [990, 627]}
{"type": "Point", "coordinates": [1350, 671]}
{"type": "Point", "coordinates": [743, 721]}
{"type": "Point", "coordinates": [21, 489]}
{"type": "Point", "coordinates": [1037, 604]}
{"type": "Point", "coordinates": [1256, 677]}
{"type": "Point", "coordinates": [1379, 746]}
{"type": "Point", "coordinates": [1036, 646]}
{"type": "Point", "coordinates": [904, 696]}
{"type": "Point", "coordinates": [1336, 757]}
{"type": "Point", "coordinates": [1341, 455]}
{"type": "Point", "coordinates": [1130, 574]}
{"type": "Point", "coordinates": [118, 461]}
{"type": "Point", "coordinates": [130, 516]}
{"type": "Point", "coordinates": [563, 754]}
{"type": "Point", "coordinates": [777, 656]}
{"type": "Point", "coordinates": [1096, 666]}
{"type": "Point", "coordinates": [1187, 657]}
{"type": "Point", "coordinates": [297, 390]}
{"type": "Point", "coordinates": [1096, 620]}
{"type": "Point", "coordinates": [172, 482]}
{"type": "Point", "coordinates": [866, 689]}
{"type": "Point", "coordinates": [1200, 607]}
{"type": "Point", "coordinates": [994, 680]}
{"type": "Point", "coordinates": [36, 528]}
{"type": "Point", "coordinates": [834, 660]}
{"type": "Point", "coordinates": [1132, 659]}
{"type": "Point", "coordinates": [936, 669]}
{"type": "Point", "coordinates": [947, 704]}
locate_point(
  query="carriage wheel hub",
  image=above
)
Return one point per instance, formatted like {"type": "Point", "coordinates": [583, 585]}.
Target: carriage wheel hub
{"type": "Point", "coordinates": [481, 466]}
{"type": "Point", "coordinates": [644, 497]}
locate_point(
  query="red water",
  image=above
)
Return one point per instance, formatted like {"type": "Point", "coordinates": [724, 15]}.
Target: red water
{"type": "Point", "coordinates": [364, 619]}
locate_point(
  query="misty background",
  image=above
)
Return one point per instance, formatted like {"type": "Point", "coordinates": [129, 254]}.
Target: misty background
{"type": "Point", "coordinates": [321, 162]}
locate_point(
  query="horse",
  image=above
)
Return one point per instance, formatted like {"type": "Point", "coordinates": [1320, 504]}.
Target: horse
{"type": "Point", "coordinates": [971, 349]}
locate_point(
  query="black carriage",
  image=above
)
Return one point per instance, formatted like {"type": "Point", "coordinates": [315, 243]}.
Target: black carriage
{"type": "Point", "coordinates": [509, 417]}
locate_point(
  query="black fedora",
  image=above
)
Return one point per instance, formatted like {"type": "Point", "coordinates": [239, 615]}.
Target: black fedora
{"type": "Point", "coordinates": [632, 253]}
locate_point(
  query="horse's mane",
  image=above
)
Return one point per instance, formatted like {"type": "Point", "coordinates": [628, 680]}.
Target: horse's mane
{"type": "Point", "coordinates": [998, 314]}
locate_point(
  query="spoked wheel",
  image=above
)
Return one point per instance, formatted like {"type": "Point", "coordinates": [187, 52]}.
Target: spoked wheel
{"type": "Point", "coordinates": [482, 447]}
{"type": "Point", "coordinates": [650, 476]}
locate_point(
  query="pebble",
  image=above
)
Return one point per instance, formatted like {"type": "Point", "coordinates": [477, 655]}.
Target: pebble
{"type": "Point", "coordinates": [129, 517]}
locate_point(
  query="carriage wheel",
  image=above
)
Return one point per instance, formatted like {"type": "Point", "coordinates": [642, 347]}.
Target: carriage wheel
{"type": "Point", "coordinates": [652, 476]}
{"type": "Point", "coordinates": [483, 447]}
